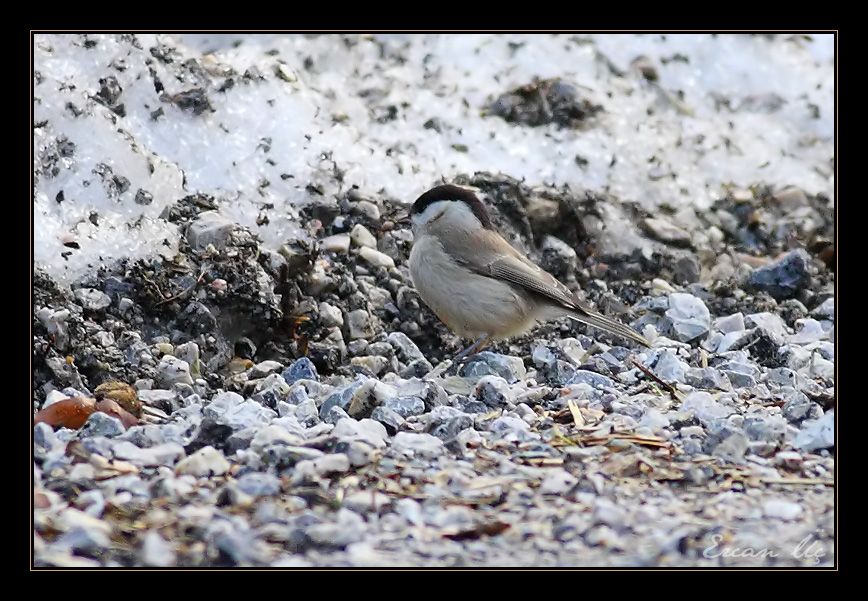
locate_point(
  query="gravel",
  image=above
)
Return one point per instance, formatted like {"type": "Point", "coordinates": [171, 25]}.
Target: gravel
{"type": "Point", "coordinates": [296, 408]}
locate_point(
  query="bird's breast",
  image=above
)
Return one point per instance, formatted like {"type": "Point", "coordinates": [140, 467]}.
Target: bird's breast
{"type": "Point", "coordinates": [469, 303]}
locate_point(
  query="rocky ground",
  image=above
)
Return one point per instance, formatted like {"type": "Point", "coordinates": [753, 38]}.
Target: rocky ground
{"type": "Point", "coordinates": [296, 414]}
{"type": "Point", "coordinates": [232, 368]}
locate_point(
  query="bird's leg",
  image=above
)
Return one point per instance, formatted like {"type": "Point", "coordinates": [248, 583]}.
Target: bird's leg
{"type": "Point", "coordinates": [470, 350]}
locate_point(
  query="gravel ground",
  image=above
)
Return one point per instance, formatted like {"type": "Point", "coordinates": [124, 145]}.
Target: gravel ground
{"type": "Point", "coordinates": [243, 404]}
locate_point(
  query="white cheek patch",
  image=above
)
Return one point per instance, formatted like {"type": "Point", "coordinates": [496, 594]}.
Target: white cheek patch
{"type": "Point", "coordinates": [431, 212]}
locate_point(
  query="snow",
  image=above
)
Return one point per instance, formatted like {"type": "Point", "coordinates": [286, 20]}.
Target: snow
{"type": "Point", "coordinates": [722, 129]}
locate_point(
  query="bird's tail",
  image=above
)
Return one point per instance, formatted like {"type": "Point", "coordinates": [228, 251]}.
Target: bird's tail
{"type": "Point", "coordinates": [608, 325]}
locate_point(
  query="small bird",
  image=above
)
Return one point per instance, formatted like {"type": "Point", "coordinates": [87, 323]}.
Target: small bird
{"type": "Point", "coordinates": [477, 283]}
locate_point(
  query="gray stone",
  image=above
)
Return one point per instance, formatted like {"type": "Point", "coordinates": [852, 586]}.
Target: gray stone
{"type": "Point", "coordinates": [418, 445]}
{"type": "Point", "coordinates": [209, 228]}
{"type": "Point", "coordinates": [665, 232]}
{"type": "Point", "coordinates": [781, 509]}
{"type": "Point", "coordinates": [405, 348]}
{"type": "Point", "coordinates": [307, 413]}
{"type": "Point", "coordinates": [207, 461]}
{"type": "Point", "coordinates": [592, 379]}
{"type": "Point", "coordinates": [689, 315]}
{"type": "Point", "coordinates": [487, 363]}
{"type": "Point", "coordinates": [264, 368]}
{"type": "Point", "coordinates": [668, 367]}
{"type": "Point", "coordinates": [301, 369]}
{"type": "Point", "coordinates": [826, 310]}
{"type": "Point", "coordinates": [335, 414]}
{"type": "Point", "coordinates": [359, 453]}
{"type": "Point", "coordinates": [705, 408]}
{"type": "Point", "coordinates": [172, 370]}
{"type": "Point", "coordinates": [739, 379]}
{"type": "Point", "coordinates": [493, 391]}
{"type": "Point", "coordinates": [405, 406]}
{"type": "Point", "coordinates": [797, 407]}
{"type": "Point", "coordinates": [162, 454]}
{"type": "Point", "coordinates": [732, 448]}
{"type": "Point", "coordinates": [768, 322]}
{"type": "Point", "coordinates": [783, 278]}
{"type": "Point", "coordinates": [359, 324]}
{"type": "Point", "coordinates": [101, 424]}
{"type": "Point", "coordinates": [367, 430]}
{"type": "Point", "coordinates": [707, 377]}
{"type": "Point", "coordinates": [272, 435]}
{"type": "Point", "coordinates": [817, 434]}
{"type": "Point", "coordinates": [156, 552]}
{"type": "Point", "coordinates": [512, 429]}
{"type": "Point", "coordinates": [349, 528]}
{"type": "Point", "coordinates": [259, 485]}
{"type": "Point", "coordinates": [376, 258]}
{"type": "Point", "coordinates": [558, 482]}
{"type": "Point", "coordinates": [360, 236]}
{"type": "Point", "coordinates": [330, 316]}
{"type": "Point", "coordinates": [91, 299]}
{"type": "Point", "coordinates": [339, 243]}
{"type": "Point", "coordinates": [389, 418]}
{"type": "Point", "coordinates": [271, 391]}
{"type": "Point", "coordinates": [730, 323]}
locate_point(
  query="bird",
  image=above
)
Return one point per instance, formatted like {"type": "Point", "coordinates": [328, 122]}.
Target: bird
{"type": "Point", "coordinates": [479, 285]}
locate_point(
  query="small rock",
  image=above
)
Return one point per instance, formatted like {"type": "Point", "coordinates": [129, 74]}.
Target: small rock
{"type": "Point", "coordinates": [730, 323]}
{"type": "Point", "coordinates": [666, 232]}
{"type": "Point", "coordinates": [359, 324]}
{"type": "Point", "coordinates": [330, 316]}
{"type": "Point", "coordinates": [330, 464]}
{"type": "Point", "coordinates": [373, 363]}
{"type": "Point", "coordinates": [405, 348]}
{"type": "Point", "coordinates": [376, 258]}
{"type": "Point", "coordinates": [172, 370]}
{"type": "Point", "coordinates": [686, 270]}
{"type": "Point", "coordinates": [307, 413]}
{"type": "Point", "coordinates": [91, 299]}
{"type": "Point", "coordinates": [493, 391]}
{"type": "Point", "coordinates": [390, 419]}
{"type": "Point", "coordinates": [707, 377]}
{"type": "Point", "coordinates": [366, 430]}
{"type": "Point", "coordinates": [487, 363]}
{"type": "Point", "coordinates": [260, 370]}
{"type": "Point", "coordinates": [826, 310]}
{"type": "Point", "coordinates": [209, 228]}
{"type": "Point", "coordinates": [783, 278]}
{"type": "Point", "coordinates": [418, 445]}
{"type": "Point", "coordinates": [817, 434]}
{"type": "Point", "coordinates": [405, 406]}
{"type": "Point", "coordinates": [101, 424]}
{"type": "Point", "coordinates": [301, 369]}
{"type": "Point", "coordinates": [259, 485]}
{"type": "Point", "coordinates": [339, 243]}
{"type": "Point", "coordinates": [207, 461]}
{"type": "Point", "coordinates": [705, 408]}
{"type": "Point", "coordinates": [592, 379]}
{"type": "Point", "coordinates": [362, 237]}
{"type": "Point", "coordinates": [781, 509]}
{"type": "Point", "coordinates": [689, 315]}
{"type": "Point", "coordinates": [156, 552]}
{"type": "Point", "coordinates": [558, 482]}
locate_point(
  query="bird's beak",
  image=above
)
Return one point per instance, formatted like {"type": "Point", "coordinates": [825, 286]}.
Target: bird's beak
{"type": "Point", "coordinates": [403, 220]}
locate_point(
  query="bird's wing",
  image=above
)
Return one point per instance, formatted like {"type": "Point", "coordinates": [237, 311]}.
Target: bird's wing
{"type": "Point", "coordinates": [513, 267]}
